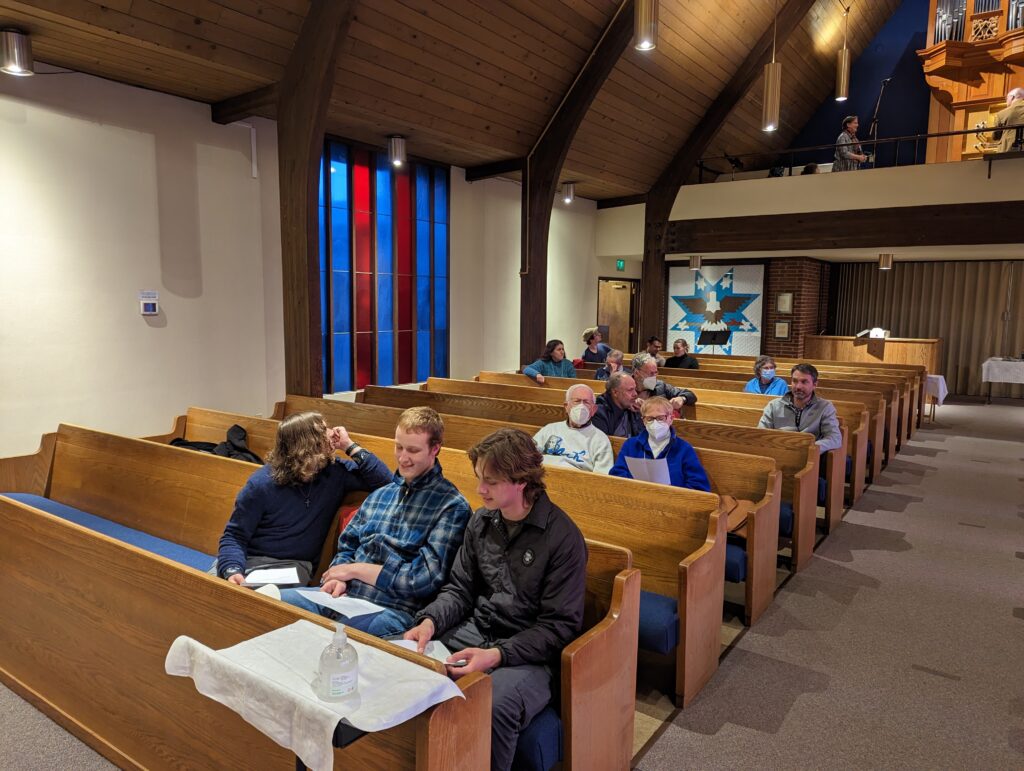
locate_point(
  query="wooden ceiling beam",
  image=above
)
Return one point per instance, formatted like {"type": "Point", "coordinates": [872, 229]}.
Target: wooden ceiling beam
{"type": "Point", "coordinates": [303, 99]}
{"type": "Point", "coordinates": [662, 195]}
{"type": "Point", "coordinates": [494, 169]}
{"type": "Point", "coordinates": [261, 101]}
{"type": "Point", "coordinates": [541, 172]}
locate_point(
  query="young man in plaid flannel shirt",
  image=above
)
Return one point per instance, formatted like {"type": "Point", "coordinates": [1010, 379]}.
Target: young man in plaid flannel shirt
{"type": "Point", "coordinates": [397, 550]}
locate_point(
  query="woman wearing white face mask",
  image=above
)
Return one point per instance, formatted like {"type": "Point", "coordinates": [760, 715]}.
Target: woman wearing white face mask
{"type": "Point", "coordinates": [765, 381]}
{"type": "Point", "coordinates": [658, 441]}
{"type": "Point", "coordinates": [576, 442]}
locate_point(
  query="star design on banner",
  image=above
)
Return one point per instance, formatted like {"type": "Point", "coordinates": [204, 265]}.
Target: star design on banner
{"type": "Point", "coordinates": [714, 306]}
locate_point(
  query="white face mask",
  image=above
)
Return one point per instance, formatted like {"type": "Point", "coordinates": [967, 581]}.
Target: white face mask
{"type": "Point", "coordinates": [767, 374]}
{"type": "Point", "coordinates": [649, 383]}
{"type": "Point", "coordinates": [657, 429]}
{"type": "Point", "coordinates": [579, 415]}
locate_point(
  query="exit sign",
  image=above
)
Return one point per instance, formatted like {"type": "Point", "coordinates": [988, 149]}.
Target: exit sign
{"type": "Point", "coordinates": [620, 265]}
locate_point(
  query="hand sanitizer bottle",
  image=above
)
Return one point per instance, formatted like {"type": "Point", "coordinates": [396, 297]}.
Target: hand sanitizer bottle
{"type": "Point", "coordinates": [338, 676]}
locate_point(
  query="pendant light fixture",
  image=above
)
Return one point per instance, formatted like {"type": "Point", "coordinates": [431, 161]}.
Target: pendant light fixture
{"type": "Point", "coordinates": [396, 150]}
{"type": "Point", "coordinates": [885, 261]}
{"type": "Point", "coordinates": [568, 192]}
{"type": "Point", "coordinates": [772, 84]}
{"type": "Point", "coordinates": [695, 261]}
{"type": "Point", "coordinates": [645, 25]}
{"type": "Point", "coordinates": [843, 60]}
{"type": "Point", "coordinates": [15, 53]}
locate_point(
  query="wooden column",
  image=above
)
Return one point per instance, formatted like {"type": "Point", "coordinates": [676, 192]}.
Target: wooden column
{"type": "Point", "coordinates": [304, 96]}
{"type": "Point", "coordinates": [541, 171]}
{"type": "Point", "coordinates": [653, 313]}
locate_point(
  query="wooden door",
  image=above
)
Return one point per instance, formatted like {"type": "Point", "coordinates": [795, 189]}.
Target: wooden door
{"type": "Point", "coordinates": [616, 308]}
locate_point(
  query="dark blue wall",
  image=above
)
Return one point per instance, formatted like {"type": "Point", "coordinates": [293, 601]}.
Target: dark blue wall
{"type": "Point", "coordinates": [905, 106]}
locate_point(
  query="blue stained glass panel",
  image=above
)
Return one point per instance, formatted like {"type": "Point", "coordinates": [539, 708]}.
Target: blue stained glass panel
{"type": "Point", "coordinates": [321, 197]}
{"type": "Point", "coordinates": [383, 184]}
{"type": "Point", "coordinates": [338, 163]}
{"type": "Point", "coordinates": [440, 195]}
{"type": "Point", "coordinates": [422, 193]}
{"type": "Point", "coordinates": [341, 239]}
{"type": "Point", "coordinates": [440, 250]}
{"type": "Point", "coordinates": [385, 359]}
{"type": "Point", "coordinates": [324, 358]}
{"type": "Point", "coordinates": [423, 355]}
{"type": "Point", "coordinates": [324, 318]}
{"type": "Point", "coordinates": [341, 283]}
{"type": "Point", "coordinates": [385, 302]}
{"type": "Point", "coordinates": [440, 353]}
{"type": "Point", "coordinates": [440, 303]}
{"type": "Point", "coordinates": [323, 238]}
{"type": "Point", "coordinates": [385, 245]}
{"type": "Point", "coordinates": [423, 303]}
{"type": "Point", "coordinates": [342, 363]}
{"type": "Point", "coordinates": [422, 248]}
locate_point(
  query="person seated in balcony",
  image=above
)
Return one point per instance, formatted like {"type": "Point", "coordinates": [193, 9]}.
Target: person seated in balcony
{"type": "Point", "coordinates": [596, 351]}
{"type": "Point", "coordinates": [765, 381]}
{"type": "Point", "coordinates": [658, 441]}
{"type": "Point", "coordinates": [612, 364]}
{"type": "Point", "coordinates": [849, 154]}
{"type": "Point", "coordinates": [552, 363]}
{"type": "Point", "coordinates": [1012, 115]}
{"type": "Point", "coordinates": [681, 358]}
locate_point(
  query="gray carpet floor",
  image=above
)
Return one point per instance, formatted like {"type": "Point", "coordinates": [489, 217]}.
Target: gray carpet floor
{"type": "Point", "coordinates": [901, 646]}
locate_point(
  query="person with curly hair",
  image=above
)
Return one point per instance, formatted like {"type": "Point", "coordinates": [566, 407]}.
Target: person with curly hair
{"type": "Point", "coordinates": [283, 513]}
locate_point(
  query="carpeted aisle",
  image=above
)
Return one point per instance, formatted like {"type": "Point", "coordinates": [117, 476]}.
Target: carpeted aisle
{"type": "Point", "coordinates": [902, 645]}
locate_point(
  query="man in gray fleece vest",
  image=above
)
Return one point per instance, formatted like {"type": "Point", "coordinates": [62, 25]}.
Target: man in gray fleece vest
{"type": "Point", "coordinates": [801, 410]}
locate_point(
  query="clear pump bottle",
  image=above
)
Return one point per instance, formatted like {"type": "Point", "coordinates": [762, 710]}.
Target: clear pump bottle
{"type": "Point", "coordinates": [338, 676]}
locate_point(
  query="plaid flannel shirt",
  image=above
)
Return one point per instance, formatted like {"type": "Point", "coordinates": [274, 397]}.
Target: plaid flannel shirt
{"type": "Point", "coordinates": [413, 531]}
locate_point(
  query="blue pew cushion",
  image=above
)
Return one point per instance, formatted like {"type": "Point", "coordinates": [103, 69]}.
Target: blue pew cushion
{"type": "Point", "coordinates": [822, 491]}
{"type": "Point", "coordinates": [150, 543]}
{"type": "Point", "coordinates": [540, 744]}
{"type": "Point", "coordinates": [735, 563]}
{"type": "Point", "coordinates": [849, 467]}
{"type": "Point", "coordinates": [659, 623]}
{"type": "Point", "coordinates": [786, 519]}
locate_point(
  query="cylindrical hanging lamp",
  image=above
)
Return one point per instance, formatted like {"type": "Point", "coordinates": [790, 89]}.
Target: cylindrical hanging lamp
{"type": "Point", "coordinates": [885, 261]}
{"type": "Point", "coordinates": [843, 62]}
{"type": "Point", "coordinates": [396, 150]}
{"type": "Point", "coordinates": [772, 84]}
{"type": "Point", "coordinates": [695, 261]}
{"type": "Point", "coordinates": [15, 53]}
{"type": "Point", "coordinates": [568, 192]}
{"type": "Point", "coordinates": [645, 25]}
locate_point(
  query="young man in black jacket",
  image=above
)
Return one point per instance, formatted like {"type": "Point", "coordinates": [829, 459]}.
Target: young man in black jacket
{"type": "Point", "coordinates": [514, 598]}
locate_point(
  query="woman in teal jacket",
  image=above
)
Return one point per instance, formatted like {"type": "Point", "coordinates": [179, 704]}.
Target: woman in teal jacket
{"type": "Point", "coordinates": [552, 363]}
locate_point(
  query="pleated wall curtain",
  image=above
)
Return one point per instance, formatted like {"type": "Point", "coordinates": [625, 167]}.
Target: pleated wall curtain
{"type": "Point", "coordinates": [961, 302]}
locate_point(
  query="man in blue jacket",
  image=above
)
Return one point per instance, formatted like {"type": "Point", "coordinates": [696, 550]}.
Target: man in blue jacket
{"type": "Point", "coordinates": [659, 441]}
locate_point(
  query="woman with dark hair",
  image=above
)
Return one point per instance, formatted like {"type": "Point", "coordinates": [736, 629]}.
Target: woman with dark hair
{"type": "Point", "coordinates": [765, 381]}
{"type": "Point", "coordinates": [552, 363]}
{"type": "Point", "coordinates": [849, 155]}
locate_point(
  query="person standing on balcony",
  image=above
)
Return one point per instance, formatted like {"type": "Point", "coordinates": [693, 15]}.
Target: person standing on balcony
{"type": "Point", "coordinates": [849, 154]}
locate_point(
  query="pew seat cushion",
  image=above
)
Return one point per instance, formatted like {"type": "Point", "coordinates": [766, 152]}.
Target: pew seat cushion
{"type": "Point", "coordinates": [659, 623]}
{"type": "Point", "coordinates": [540, 744]}
{"type": "Point", "coordinates": [735, 563]}
{"type": "Point", "coordinates": [786, 519]}
{"type": "Point", "coordinates": [150, 543]}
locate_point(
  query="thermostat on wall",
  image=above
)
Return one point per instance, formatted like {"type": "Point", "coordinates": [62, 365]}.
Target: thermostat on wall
{"type": "Point", "coordinates": [149, 303]}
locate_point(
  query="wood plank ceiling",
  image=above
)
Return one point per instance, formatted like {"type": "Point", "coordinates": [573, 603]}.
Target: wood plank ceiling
{"type": "Point", "coordinates": [469, 81]}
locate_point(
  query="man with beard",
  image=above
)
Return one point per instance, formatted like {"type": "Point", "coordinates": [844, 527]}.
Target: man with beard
{"type": "Point", "coordinates": [801, 410]}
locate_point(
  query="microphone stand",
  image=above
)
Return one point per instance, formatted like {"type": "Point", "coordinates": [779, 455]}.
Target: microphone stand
{"type": "Point", "coordinates": [873, 130]}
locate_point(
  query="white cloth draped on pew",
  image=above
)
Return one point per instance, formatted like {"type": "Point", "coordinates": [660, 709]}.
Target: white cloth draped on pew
{"type": "Point", "coordinates": [936, 388]}
{"type": "Point", "coordinates": [267, 680]}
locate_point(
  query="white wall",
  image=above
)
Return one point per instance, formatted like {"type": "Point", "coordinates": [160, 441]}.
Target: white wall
{"type": "Point", "coordinates": [485, 263]}
{"type": "Point", "coordinates": [106, 190]}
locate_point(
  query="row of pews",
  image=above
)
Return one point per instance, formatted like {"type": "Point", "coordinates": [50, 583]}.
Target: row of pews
{"type": "Point", "coordinates": [91, 607]}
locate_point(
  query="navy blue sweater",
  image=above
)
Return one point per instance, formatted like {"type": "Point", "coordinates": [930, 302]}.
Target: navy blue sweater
{"type": "Point", "coordinates": [272, 520]}
{"type": "Point", "coordinates": [684, 467]}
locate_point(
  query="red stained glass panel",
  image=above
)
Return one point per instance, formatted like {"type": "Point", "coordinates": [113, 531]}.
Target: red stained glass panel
{"type": "Point", "coordinates": [405, 360]}
{"type": "Point", "coordinates": [364, 302]}
{"type": "Point", "coordinates": [364, 242]}
{"type": "Point", "coordinates": [364, 359]}
{"type": "Point", "coordinates": [361, 180]}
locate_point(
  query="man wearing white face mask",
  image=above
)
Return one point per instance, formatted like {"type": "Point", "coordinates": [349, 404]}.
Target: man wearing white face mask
{"type": "Point", "coordinates": [645, 373]}
{"type": "Point", "coordinates": [765, 381]}
{"type": "Point", "coordinates": [576, 442]}
{"type": "Point", "coordinates": [658, 441]}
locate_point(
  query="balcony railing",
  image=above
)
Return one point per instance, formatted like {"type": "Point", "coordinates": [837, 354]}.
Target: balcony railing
{"type": "Point", "coordinates": [893, 151]}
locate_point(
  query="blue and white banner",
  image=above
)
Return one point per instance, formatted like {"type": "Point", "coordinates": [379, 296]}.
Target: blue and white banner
{"type": "Point", "coordinates": [716, 298]}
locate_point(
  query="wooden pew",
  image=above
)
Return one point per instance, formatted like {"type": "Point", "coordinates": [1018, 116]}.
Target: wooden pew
{"type": "Point", "coordinates": [752, 480]}
{"type": "Point", "coordinates": [88, 620]}
{"type": "Point", "coordinates": [855, 414]}
{"type": "Point", "coordinates": [794, 453]}
{"type": "Point", "coordinates": [716, 413]}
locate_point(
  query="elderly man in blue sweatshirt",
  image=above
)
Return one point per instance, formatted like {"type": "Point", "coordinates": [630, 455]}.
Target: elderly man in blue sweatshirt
{"type": "Point", "coordinates": [658, 441]}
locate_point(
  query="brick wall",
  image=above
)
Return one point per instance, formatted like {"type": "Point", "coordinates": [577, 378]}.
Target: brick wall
{"type": "Point", "coordinates": [808, 280]}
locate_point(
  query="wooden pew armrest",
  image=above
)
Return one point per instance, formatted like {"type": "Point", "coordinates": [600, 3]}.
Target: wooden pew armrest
{"type": "Point", "coordinates": [599, 683]}
{"type": "Point", "coordinates": [29, 473]}
{"type": "Point", "coordinates": [177, 432]}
